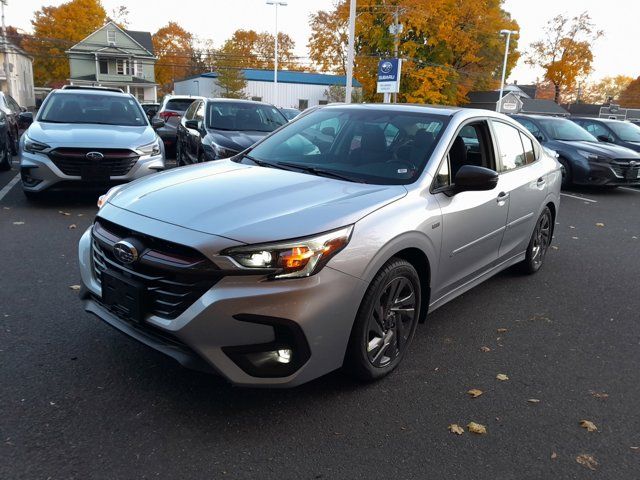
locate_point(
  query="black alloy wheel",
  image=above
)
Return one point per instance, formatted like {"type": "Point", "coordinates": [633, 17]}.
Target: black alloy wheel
{"type": "Point", "coordinates": [567, 177]}
{"type": "Point", "coordinates": [539, 243]}
{"type": "Point", "coordinates": [386, 322]}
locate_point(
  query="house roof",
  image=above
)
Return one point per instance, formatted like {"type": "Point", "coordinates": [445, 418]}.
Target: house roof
{"type": "Point", "coordinates": [588, 109]}
{"type": "Point", "coordinates": [289, 76]}
{"type": "Point", "coordinates": [143, 38]}
{"type": "Point", "coordinates": [536, 105]}
{"type": "Point", "coordinates": [484, 96]}
{"type": "Point", "coordinates": [92, 78]}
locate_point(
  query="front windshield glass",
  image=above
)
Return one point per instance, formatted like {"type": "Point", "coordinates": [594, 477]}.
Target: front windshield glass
{"type": "Point", "coordinates": [243, 116]}
{"type": "Point", "coordinates": [628, 132]}
{"type": "Point", "coordinates": [358, 144]}
{"type": "Point", "coordinates": [93, 108]}
{"type": "Point", "coordinates": [563, 129]}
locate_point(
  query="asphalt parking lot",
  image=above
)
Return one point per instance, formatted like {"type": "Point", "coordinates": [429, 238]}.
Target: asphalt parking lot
{"type": "Point", "coordinates": [80, 400]}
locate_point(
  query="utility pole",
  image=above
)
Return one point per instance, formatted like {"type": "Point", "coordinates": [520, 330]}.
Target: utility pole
{"type": "Point", "coordinates": [508, 33]}
{"type": "Point", "coordinates": [5, 49]}
{"type": "Point", "coordinates": [396, 32]}
{"type": "Point", "coordinates": [350, 48]}
{"type": "Point", "coordinates": [276, 3]}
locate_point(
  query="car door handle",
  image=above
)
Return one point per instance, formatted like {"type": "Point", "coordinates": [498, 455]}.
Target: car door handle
{"type": "Point", "coordinates": [540, 182]}
{"type": "Point", "coordinates": [502, 197]}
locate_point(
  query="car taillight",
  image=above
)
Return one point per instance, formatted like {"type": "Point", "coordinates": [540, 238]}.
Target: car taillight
{"type": "Point", "coordinates": [167, 115]}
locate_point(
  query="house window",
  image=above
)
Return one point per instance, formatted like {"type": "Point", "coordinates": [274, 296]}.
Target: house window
{"type": "Point", "coordinates": [104, 67]}
{"type": "Point", "coordinates": [323, 102]}
{"type": "Point", "coordinates": [124, 67]}
{"type": "Point", "coordinates": [256, 99]}
{"type": "Point", "coordinates": [111, 36]}
{"type": "Point", "coordinates": [303, 104]}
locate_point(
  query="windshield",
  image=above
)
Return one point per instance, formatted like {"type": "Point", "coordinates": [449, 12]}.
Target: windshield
{"type": "Point", "coordinates": [361, 145]}
{"type": "Point", "coordinates": [563, 129]}
{"type": "Point", "coordinates": [628, 132]}
{"type": "Point", "coordinates": [242, 116]}
{"type": "Point", "coordinates": [290, 113]}
{"type": "Point", "coordinates": [93, 108]}
{"type": "Point", "coordinates": [179, 104]}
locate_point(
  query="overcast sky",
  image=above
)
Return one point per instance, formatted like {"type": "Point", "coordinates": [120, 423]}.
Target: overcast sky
{"type": "Point", "coordinates": [217, 19]}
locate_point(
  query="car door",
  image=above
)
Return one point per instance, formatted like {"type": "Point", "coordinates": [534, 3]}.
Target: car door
{"type": "Point", "coordinates": [187, 134]}
{"type": "Point", "coordinates": [196, 134]}
{"type": "Point", "coordinates": [524, 179]}
{"type": "Point", "coordinates": [473, 222]}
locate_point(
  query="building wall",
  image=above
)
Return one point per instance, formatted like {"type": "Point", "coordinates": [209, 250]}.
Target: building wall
{"type": "Point", "coordinates": [20, 78]}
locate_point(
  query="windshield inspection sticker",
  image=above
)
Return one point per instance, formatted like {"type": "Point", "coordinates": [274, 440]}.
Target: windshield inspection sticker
{"type": "Point", "coordinates": [402, 170]}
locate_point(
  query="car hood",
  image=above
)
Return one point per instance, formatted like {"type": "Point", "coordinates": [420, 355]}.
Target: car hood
{"type": "Point", "coordinates": [234, 139]}
{"type": "Point", "coordinates": [252, 204]}
{"type": "Point", "coordinates": [604, 149]}
{"type": "Point", "coordinates": [90, 135]}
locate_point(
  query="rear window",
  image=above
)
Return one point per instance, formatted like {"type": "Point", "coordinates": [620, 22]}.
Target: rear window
{"type": "Point", "coordinates": [92, 108]}
{"type": "Point", "coordinates": [179, 104]}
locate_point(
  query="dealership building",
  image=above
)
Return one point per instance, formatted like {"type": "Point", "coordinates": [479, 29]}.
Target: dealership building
{"type": "Point", "coordinates": [295, 89]}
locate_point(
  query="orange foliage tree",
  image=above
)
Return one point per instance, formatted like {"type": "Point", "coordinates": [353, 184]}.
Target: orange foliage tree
{"type": "Point", "coordinates": [630, 97]}
{"type": "Point", "coordinates": [251, 49]}
{"type": "Point", "coordinates": [174, 48]}
{"type": "Point", "coordinates": [56, 29]}
{"type": "Point", "coordinates": [448, 46]}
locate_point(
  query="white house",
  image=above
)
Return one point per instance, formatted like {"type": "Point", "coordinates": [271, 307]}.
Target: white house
{"type": "Point", "coordinates": [20, 72]}
{"type": "Point", "coordinates": [295, 89]}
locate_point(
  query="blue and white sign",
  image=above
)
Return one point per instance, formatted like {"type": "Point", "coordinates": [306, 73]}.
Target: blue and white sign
{"type": "Point", "coordinates": [389, 75]}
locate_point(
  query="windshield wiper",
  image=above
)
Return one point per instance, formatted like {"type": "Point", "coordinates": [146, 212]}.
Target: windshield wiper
{"type": "Point", "coordinates": [321, 172]}
{"type": "Point", "coordinates": [262, 163]}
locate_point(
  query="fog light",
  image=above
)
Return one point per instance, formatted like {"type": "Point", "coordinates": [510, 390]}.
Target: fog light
{"type": "Point", "coordinates": [284, 356]}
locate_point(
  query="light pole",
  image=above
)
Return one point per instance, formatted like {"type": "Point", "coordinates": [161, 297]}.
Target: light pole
{"type": "Point", "coordinates": [5, 49]}
{"type": "Point", "coordinates": [277, 3]}
{"type": "Point", "coordinates": [350, 48]}
{"type": "Point", "coordinates": [508, 33]}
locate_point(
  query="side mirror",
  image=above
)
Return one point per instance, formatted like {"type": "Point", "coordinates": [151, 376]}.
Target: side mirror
{"type": "Point", "coordinates": [539, 137]}
{"type": "Point", "coordinates": [23, 109]}
{"type": "Point", "coordinates": [25, 119]}
{"type": "Point", "coordinates": [192, 124]}
{"type": "Point", "coordinates": [473, 178]}
{"type": "Point", "coordinates": [604, 138]}
{"type": "Point", "coordinates": [157, 123]}
{"type": "Point", "coordinates": [152, 113]}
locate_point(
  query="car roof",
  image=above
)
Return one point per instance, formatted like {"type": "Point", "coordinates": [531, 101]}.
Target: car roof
{"type": "Point", "coordinates": [538, 117]}
{"type": "Point", "coordinates": [404, 107]}
{"type": "Point", "coordinates": [237, 100]}
{"type": "Point", "coordinates": [89, 91]}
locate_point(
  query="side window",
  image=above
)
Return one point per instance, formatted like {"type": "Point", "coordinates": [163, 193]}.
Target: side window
{"type": "Point", "coordinates": [442, 177]}
{"type": "Point", "coordinates": [532, 127]}
{"type": "Point", "coordinates": [13, 105]}
{"type": "Point", "coordinates": [529, 150]}
{"type": "Point", "coordinates": [510, 146]}
{"type": "Point", "coordinates": [188, 115]}
{"type": "Point", "coordinates": [596, 129]}
{"type": "Point", "coordinates": [199, 115]}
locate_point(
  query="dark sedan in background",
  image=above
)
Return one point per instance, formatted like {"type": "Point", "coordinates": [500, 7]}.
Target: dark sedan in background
{"type": "Point", "coordinates": [585, 161]}
{"type": "Point", "coordinates": [15, 119]}
{"type": "Point", "coordinates": [625, 134]}
{"type": "Point", "coordinates": [5, 143]}
{"type": "Point", "coordinates": [170, 112]}
{"type": "Point", "coordinates": [220, 128]}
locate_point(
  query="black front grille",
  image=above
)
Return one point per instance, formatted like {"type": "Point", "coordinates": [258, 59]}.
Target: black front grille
{"type": "Point", "coordinates": [71, 160]}
{"type": "Point", "coordinates": [625, 170]}
{"type": "Point", "coordinates": [173, 276]}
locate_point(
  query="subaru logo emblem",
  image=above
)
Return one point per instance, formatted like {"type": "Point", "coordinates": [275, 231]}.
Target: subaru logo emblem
{"type": "Point", "coordinates": [94, 156]}
{"type": "Point", "coordinates": [633, 163]}
{"type": "Point", "coordinates": [125, 252]}
{"type": "Point", "coordinates": [386, 67]}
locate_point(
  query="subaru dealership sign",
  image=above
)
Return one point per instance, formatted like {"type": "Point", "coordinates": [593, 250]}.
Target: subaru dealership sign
{"type": "Point", "coordinates": [389, 75]}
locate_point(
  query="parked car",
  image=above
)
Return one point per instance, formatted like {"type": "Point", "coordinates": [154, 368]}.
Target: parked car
{"type": "Point", "coordinates": [220, 128]}
{"type": "Point", "coordinates": [625, 134]}
{"type": "Point", "coordinates": [5, 143]}
{"type": "Point", "coordinates": [290, 113]}
{"type": "Point", "coordinates": [585, 161]}
{"type": "Point", "coordinates": [171, 111]}
{"type": "Point", "coordinates": [12, 111]}
{"type": "Point", "coordinates": [317, 249]}
{"type": "Point", "coordinates": [88, 137]}
{"type": "Point", "coordinates": [150, 109]}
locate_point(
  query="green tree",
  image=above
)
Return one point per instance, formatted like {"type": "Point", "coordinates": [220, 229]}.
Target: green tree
{"type": "Point", "coordinates": [231, 81]}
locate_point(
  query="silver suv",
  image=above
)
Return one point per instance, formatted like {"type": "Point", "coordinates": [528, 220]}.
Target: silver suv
{"type": "Point", "coordinates": [88, 137]}
{"type": "Point", "coordinates": [323, 245]}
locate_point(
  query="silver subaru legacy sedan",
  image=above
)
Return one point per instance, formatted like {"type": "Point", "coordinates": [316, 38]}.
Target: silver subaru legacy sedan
{"type": "Point", "coordinates": [323, 245]}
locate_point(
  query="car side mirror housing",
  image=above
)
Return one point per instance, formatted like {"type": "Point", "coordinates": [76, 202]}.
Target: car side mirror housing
{"type": "Point", "coordinates": [25, 119]}
{"type": "Point", "coordinates": [157, 123]}
{"type": "Point", "coordinates": [539, 137]}
{"type": "Point", "coordinates": [474, 178]}
{"type": "Point", "coordinates": [604, 138]}
{"type": "Point", "coordinates": [152, 113]}
{"type": "Point", "coordinates": [192, 124]}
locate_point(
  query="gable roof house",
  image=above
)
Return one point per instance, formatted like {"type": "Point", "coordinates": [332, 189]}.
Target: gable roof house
{"type": "Point", "coordinates": [114, 57]}
{"type": "Point", "coordinates": [515, 99]}
{"type": "Point", "coordinates": [19, 65]}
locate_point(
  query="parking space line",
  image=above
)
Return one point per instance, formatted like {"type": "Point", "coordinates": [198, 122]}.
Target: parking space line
{"type": "Point", "coordinates": [9, 186]}
{"type": "Point", "coordinates": [579, 198]}
{"type": "Point", "coordinates": [627, 189]}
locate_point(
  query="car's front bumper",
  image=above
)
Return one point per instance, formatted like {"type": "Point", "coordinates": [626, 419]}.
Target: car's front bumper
{"type": "Point", "coordinates": [40, 173]}
{"type": "Point", "coordinates": [616, 173]}
{"type": "Point", "coordinates": [241, 315]}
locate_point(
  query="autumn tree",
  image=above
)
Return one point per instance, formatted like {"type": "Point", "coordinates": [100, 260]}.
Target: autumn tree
{"type": "Point", "coordinates": [448, 47]}
{"type": "Point", "coordinates": [120, 16]}
{"type": "Point", "coordinates": [231, 81]}
{"type": "Point", "coordinates": [56, 29]}
{"type": "Point", "coordinates": [250, 49]}
{"type": "Point", "coordinates": [173, 46]}
{"type": "Point", "coordinates": [609, 88]}
{"type": "Point", "coordinates": [630, 97]}
{"type": "Point", "coordinates": [564, 52]}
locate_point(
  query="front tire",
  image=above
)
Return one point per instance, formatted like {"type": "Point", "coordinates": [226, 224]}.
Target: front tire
{"type": "Point", "coordinates": [179, 161]}
{"type": "Point", "coordinates": [539, 243]}
{"type": "Point", "coordinates": [567, 175]}
{"type": "Point", "coordinates": [14, 143]}
{"type": "Point", "coordinates": [5, 158]}
{"type": "Point", "coordinates": [386, 322]}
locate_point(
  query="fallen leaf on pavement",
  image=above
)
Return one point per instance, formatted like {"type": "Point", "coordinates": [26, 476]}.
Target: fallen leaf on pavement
{"type": "Point", "coordinates": [634, 448]}
{"type": "Point", "coordinates": [502, 330]}
{"type": "Point", "coordinates": [477, 428]}
{"type": "Point", "coordinates": [502, 377]}
{"type": "Point", "coordinates": [6, 208]}
{"type": "Point", "coordinates": [553, 247]}
{"type": "Point", "coordinates": [587, 460]}
{"type": "Point", "coordinates": [74, 287]}
{"type": "Point", "coordinates": [599, 394]}
{"type": "Point", "coordinates": [599, 224]}
{"type": "Point", "coordinates": [590, 426]}
{"type": "Point", "coordinates": [571, 226]}
{"type": "Point", "coordinates": [475, 393]}
{"type": "Point", "coordinates": [533, 400]}
{"type": "Point", "coordinates": [72, 226]}
{"type": "Point", "coordinates": [18, 223]}
{"type": "Point", "coordinates": [66, 214]}
{"type": "Point", "coordinates": [455, 428]}
{"type": "Point", "coordinates": [575, 238]}
{"type": "Point", "coordinates": [485, 349]}
{"type": "Point", "coordinates": [81, 214]}
{"type": "Point", "coordinates": [554, 455]}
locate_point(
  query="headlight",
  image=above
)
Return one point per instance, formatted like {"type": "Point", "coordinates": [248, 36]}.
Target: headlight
{"type": "Point", "coordinates": [103, 199]}
{"type": "Point", "coordinates": [292, 259]}
{"type": "Point", "coordinates": [152, 149]}
{"type": "Point", "coordinates": [32, 146]}
{"type": "Point", "coordinates": [592, 156]}
{"type": "Point", "coordinates": [215, 152]}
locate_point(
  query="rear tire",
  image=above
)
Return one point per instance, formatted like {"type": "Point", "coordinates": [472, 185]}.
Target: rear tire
{"type": "Point", "coordinates": [386, 322]}
{"type": "Point", "coordinates": [5, 156]}
{"type": "Point", "coordinates": [14, 143]}
{"type": "Point", "coordinates": [539, 243]}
